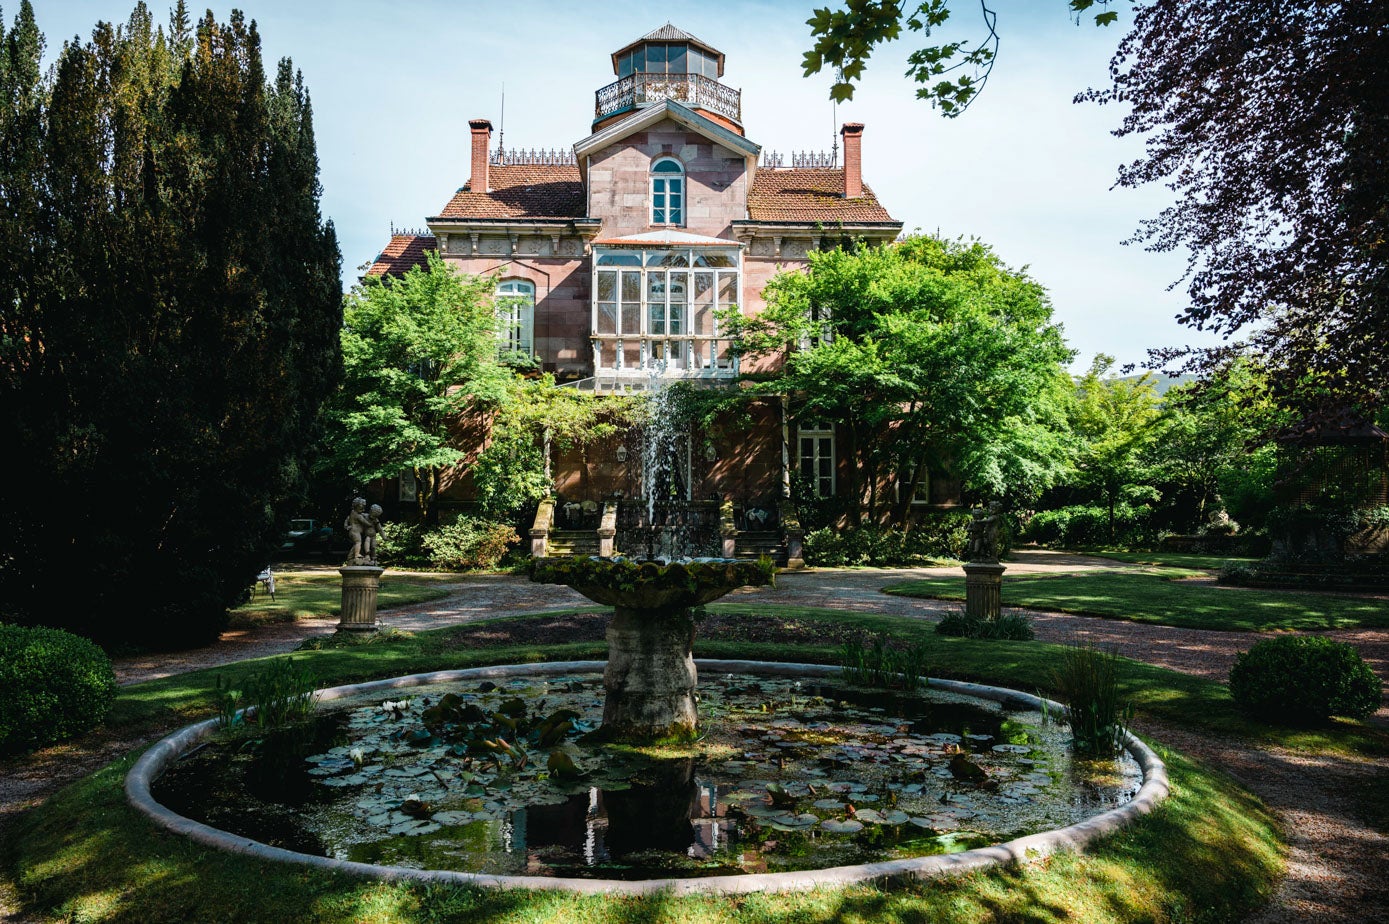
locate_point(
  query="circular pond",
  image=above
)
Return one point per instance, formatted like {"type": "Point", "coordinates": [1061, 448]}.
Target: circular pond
{"type": "Point", "coordinates": [489, 776]}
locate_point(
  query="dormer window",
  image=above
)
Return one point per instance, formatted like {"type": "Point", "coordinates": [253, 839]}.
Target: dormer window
{"type": "Point", "coordinates": [667, 192]}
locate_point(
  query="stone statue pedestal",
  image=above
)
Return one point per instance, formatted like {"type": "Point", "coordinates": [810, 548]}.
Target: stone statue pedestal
{"type": "Point", "coordinates": [360, 584]}
{"type": "Point", "coordinates": [983, 589]}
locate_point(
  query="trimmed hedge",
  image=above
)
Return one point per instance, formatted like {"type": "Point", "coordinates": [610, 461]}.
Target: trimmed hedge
{"type": "Point", "coordinates": [1304, 679]}
{"type": "Point", "coordinates": [53, 685]}
{"type": "Point", "coordinates": [934, 537]}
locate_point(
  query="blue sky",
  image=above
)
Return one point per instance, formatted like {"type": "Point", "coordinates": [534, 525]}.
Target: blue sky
{"type": "Point", "coordinates": [394, 84]}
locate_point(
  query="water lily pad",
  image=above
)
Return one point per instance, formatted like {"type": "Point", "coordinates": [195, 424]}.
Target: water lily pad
{"type": "Point", "coordinates": [845, 826]}
{"type": "Point", "coordinates": [832, 804]}
{"type": "Point", "coordinates": [869, 816]}
{"type": "Point", "coordinates": [453, 817]}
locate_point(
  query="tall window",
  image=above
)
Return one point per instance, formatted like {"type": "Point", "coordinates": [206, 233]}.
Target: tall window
{"type": "Point", "coordinates": [516, 315]}
{"type": "Point", "coordinates": [817, 456]}
{"type": "Point", "coordinates": [658, 310]}
{"type": "Point", "coordinates": [667, 192]}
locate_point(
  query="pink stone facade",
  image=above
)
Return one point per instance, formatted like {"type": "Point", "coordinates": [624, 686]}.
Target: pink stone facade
{"type": "Point", "coordinates": [557, 220]}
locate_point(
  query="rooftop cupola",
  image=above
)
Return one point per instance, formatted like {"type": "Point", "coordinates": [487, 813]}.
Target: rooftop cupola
{"type": "Point", "coordinates": [669, 64]}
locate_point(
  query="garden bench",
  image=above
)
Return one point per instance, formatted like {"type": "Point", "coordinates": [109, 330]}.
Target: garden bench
{"type": "Point", "coordinates": [266, 580]}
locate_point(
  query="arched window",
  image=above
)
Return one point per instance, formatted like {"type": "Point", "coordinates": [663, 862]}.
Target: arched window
{"type": "Point", "coordinates": [516, 314]}
{"type": "Point", "coordinates": [667, 192]}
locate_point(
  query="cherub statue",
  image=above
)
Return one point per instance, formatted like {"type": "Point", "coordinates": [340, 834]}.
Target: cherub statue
{"type": "Point", "coordinates": [983, 534]}
{"type": "Point", "coordinates": [369, 541]}
{"type": "Point", "coordinates": [357, 525]}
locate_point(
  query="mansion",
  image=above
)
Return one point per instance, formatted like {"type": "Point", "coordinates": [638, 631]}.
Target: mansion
{"type": "Point", "coordinates": [615, 257]}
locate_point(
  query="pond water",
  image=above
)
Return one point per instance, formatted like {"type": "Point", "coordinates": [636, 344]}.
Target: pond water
{"type": "Point", "coordinates": [788, 775]}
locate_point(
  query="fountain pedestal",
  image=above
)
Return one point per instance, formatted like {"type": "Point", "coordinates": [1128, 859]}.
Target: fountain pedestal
{"type": "Point", "coordinates": [650, 678]}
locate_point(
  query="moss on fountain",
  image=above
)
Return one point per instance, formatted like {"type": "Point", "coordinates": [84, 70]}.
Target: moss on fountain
{"type": "Point", "coordinates": [653, 585]}
{"type": "Point", "coordinates": [649, 682]}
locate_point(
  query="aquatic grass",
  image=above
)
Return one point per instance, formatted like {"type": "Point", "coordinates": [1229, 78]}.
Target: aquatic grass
{"type": "Point", "coordinates": [1087, 681]}
{"type": "Point", "coordinates": [881, 664]}
{"type": "Point", "coordinates": [276, 696]}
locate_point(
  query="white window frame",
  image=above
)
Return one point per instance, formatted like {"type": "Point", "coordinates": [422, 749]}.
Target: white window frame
{"type": "Point", "coordinates": [668, 187]}
{"type": "Point", "coordinates": [638, 295]}
{"type": "Point", "coordinates": [515, 299]}
{"type": "Point", "coordinates": [815, 447]}
{"type": "Point", "coordinates": [921, 491]}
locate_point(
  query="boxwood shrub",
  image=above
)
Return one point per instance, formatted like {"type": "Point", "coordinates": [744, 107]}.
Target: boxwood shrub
{"type": "Point", "coordinates": [1304, 679]}
{"type": "Point", "coordinates": [53, 685]}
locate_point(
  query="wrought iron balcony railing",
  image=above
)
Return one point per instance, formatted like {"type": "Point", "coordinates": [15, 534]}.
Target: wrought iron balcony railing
{"type": "Point", "coordinates": [691, 89]}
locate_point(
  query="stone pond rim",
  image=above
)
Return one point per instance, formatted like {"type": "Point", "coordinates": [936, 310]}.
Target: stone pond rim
{"type": "Point", "coordinates": [650, 676]}
{"type": "Point", "coordinates": [164, 753]}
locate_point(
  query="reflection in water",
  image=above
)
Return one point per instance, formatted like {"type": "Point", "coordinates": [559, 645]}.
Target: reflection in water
{"type": "Point", "coordinates": [790, 775]}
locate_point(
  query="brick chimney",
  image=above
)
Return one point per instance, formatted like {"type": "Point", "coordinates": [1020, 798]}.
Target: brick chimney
{"type": "Point", "coordinates": [853, 159]}
{"type": "Point", "coordinates": [482, 142]}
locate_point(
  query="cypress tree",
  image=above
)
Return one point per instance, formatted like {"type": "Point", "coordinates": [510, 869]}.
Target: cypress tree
{"type": "Point", "coordinates": [186, 331]}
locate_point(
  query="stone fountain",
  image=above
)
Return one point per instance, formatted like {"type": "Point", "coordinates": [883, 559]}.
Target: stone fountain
{"type": "Point", "coordinates": [650, 677]}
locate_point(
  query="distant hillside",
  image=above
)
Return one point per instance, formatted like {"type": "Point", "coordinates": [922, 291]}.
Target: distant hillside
{"type": "Point", "coordinates": [1162, 382]}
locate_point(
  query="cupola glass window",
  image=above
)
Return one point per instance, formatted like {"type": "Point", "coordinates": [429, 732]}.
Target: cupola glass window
{"type": "Point", "coordinates": [667, 58]}
{"type": "Point", "coordinates": [667, 192]}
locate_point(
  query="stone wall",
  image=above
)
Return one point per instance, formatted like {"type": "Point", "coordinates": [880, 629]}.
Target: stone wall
{"type": "Point", "coordinates": [619, 182]}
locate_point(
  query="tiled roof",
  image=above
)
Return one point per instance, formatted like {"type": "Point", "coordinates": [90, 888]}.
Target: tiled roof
{"type": "Point", "coordinates": [401, 254]}
{"type": "Point", "coordinates": [530, 191]}
{"type": "Point", "coordinates": [810, 195]}
{"type": "Point", "coordinates": [670, 33]}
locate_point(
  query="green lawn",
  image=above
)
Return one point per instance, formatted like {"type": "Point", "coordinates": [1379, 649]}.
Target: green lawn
{"type": "Point", "coordinates": [1174, 559]}
{"type": "Point", "coordinates": [1157, 597]}
{"type": "Point", "coordinates": [1211, 853]}
{"type": "Point", "coordinates": [301, 596]}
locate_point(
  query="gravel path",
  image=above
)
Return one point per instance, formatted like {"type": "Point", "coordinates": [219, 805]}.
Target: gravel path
{"type": "Point", "coordinates": [1338, 864]}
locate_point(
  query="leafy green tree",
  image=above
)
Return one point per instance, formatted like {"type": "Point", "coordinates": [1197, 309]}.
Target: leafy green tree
{"type": "Point", "coordinates": [511, 474]}
{"type": "Point", "coordinates": [420, 359]}
{"type": "Point", "coordinates": [951, 74]}
{"type": "Point", "coordinates": [1216, 449]}
{"type": "Point", "coordinates": [171, 304]}
{"type": "Point", "coordinates": [1269, 123]}
{"type": "Point", "coordinates": [1115, 421]}
{"type": "Point", "coordinates": [928, 354]}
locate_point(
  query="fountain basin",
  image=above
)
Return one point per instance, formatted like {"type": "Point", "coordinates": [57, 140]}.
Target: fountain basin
{"type": "Point", "coordinates": [652, 585]}
{"type": "Point", "coordinates": [165, 753]}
